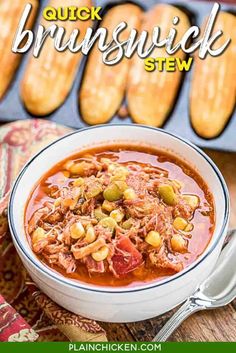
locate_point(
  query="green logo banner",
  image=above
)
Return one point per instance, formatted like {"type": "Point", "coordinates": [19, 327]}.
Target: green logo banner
{"type": "Point", "coordinates": [111, 347]}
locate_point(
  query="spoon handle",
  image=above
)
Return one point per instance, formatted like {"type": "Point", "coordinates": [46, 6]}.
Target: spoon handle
{"type": "Point", "coordinates": [187, 309]}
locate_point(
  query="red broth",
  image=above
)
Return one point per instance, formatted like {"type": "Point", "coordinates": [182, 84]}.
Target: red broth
{"type": "Point", "coordinates": [150, 246]}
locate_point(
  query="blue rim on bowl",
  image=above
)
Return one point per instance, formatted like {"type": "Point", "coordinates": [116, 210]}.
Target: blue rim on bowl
{"type": "Point", "coordinates": [88, 287]}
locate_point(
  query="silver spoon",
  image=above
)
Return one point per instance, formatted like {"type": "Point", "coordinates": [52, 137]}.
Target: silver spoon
{"type": "Point", "coordinates": [217, 290]}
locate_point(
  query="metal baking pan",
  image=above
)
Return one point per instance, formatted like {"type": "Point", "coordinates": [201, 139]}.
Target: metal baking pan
{"type": "Point", "coordinates": [11, 107]}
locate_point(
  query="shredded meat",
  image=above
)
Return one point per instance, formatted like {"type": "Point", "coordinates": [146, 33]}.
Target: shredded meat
{"type": "Point", "coordinates": [160, 259]}
{"type": "Point", "coordinates": [38, 215]}
{"type": "Point", "coordinates": [88, 207]}
{"type": "Point", "coordinates": [67, 262]}
{"type": "Point", "coordinates": [94, 266]}
{"type": "Point", "coordinates": [182, 209]}
{"type": "Point", "coordinates": [80, 253]}
{"type": "Point", "coordinates": [40, 245]}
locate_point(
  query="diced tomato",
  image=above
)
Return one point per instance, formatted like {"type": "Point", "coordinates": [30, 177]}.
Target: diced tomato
{"type": "Point", "coordinates": [126, 257]}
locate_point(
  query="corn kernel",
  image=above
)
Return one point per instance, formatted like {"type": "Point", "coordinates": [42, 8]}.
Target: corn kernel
{"type": "Point", "coordinates": [76, 192]}
{"type": "Point", "coordinates": [68, 165]}
{"type": "Point", "coordinates": [122, 170]}
{"type": "Point", "coordinates": [112, 167]}
{"type": "Point", "coordinates": [120, 173]}
{"type": "Point", "coordinates": [121, 184]}
{"type": "Point", "coordinates": [38, 234]}
{"type": "Point", "coordinates": [117, 215]}
{"type": "Point", "coordinates": [118, 177]}
{"type": "Point", "coordinates": [109, 223]}
{"type": "Point", "coordinates": [90, 236]}
{"type": "Point", "coordinates": [88, 156]}
{"type": "Point", "coordinates": [180, 223]}
{"type": "Point", "coordinates": [66, 173]}
{"type": "Point", "coordinates": [101, 254]}
{"type": "Point", "coordinates": [105, 160]}
{"type": "Point", "coordinates": [189, 227]}
{"type": "Point", "coordinates": [129, 194]}
{"type": "Point", "coordinates": [192, 201]}
{"type": "Point", "coordinates": [57, 202]}
{"type": "Point", "coordinates": [78, 182]}
{"type": "Point", "coordinates": [78, 168]}
{"type": "Point", "coordinates": [93, 190]}
{"type": "Point", "coordinates": [71, 203]}
{"type": "Point", "coordinates": [108, 206]}
{"type": "Point", "coordinates": [153, 238]}
{"type": "Point", "coordinates": [178, 243]}
{"type": "Point", "coordinates": [77, 230]}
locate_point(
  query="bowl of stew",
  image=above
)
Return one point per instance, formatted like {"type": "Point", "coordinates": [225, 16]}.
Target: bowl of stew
{"type": "Point", "coordinates": [119, 223]}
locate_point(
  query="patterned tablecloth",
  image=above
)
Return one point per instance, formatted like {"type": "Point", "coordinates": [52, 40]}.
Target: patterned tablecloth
{"type": "Point", "coordinates": [26, 314]}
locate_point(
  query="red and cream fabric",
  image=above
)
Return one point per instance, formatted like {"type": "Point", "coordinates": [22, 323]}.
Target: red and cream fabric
{"type": "Point", "coordinates": [26, 314]}
{"type": "Point", "coordinates": [13, 327]}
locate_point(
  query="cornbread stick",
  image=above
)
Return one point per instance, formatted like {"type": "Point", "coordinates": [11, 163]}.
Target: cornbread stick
{"type": "Point", "coordinates": [9, 62]}
{"type": "Point", "coordinates": [48, 79]}
{"type": "Point", "coordinates": [151, 95]}
{"type": "Point", "coordinates": [213, 90]}
{"type": "Point", "coordinates": [103, 86]}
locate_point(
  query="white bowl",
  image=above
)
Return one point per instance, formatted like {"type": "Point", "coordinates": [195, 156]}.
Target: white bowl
{"type": "Point", "coordinates": [118, 304]}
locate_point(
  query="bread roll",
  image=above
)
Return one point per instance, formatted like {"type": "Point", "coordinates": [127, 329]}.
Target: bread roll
{"type": "Point", "coordinates": [10, 11]}
{"type": "Point", "coordinates": [103, 86]}
{"type": "Point", "coordinates": [213, 89]}
{"type": "Point", "coordinates": [151, 95]}
{"type": "Point", "coordinates": [48, 79]}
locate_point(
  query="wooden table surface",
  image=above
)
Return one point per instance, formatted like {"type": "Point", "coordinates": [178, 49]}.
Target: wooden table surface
{"type": "Point", "coordinates": [213, 325]}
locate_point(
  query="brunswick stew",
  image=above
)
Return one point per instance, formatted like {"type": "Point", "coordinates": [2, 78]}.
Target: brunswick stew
{"type": "Point", "coordinates": [120, 216]}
